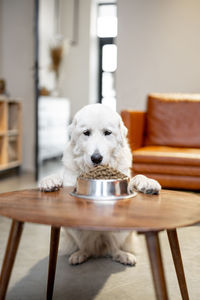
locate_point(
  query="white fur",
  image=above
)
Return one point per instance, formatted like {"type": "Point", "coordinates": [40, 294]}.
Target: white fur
{"type": "Point", "coordinates": [114, 148]}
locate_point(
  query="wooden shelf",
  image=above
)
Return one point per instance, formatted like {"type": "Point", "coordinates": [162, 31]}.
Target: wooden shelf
{"type": "Point", "coordinates": [2, 133]}
{"type": "Point", "coordinates": [3, 115]}
{"type": "Point", "coordinates": [10, 133]}
{"type": "Point", "coordinates": [10, 166]}
{"type": "Point", "coordinates": [3, 150]}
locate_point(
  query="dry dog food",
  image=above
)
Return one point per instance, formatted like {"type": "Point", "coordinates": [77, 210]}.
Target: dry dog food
{"type": "Point", "coordinates": [103, 172]}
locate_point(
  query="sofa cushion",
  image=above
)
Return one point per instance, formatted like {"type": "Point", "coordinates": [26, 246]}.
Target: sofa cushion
{"type": "Point", "coordinates": [176, 181]}
{"type": "Point", "coordinates": [167, 155]}
{"type": "Point", "coordinates": [142, 168]}
{"type": "Point", "coordinates": [173, 120]}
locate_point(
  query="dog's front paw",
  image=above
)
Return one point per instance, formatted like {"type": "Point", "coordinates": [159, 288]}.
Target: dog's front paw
{"type": "Point", "coordinates": [125, 258]}
{"type": "Point", "coordinates": [78, 257]}
{"type": "Point", "coordinates": [51, 183]}
{"type": "Point", "coordinates": [144, 185]}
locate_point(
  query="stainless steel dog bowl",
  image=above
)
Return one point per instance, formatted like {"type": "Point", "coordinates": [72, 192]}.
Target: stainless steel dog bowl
{"type": "Point", "coordinates": [102, 189]}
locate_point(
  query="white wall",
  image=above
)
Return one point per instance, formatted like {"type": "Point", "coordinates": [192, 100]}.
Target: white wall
{"type": "Point", "coordinates": [16, 65]}
{"type": "Point", "coordinates": [158, 49]}
{"type": "Point", "coordinates": [1, 18]}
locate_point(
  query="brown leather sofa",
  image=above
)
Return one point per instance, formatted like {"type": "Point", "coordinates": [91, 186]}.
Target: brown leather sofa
{"type": "Point", "coordinates": [165, 140]}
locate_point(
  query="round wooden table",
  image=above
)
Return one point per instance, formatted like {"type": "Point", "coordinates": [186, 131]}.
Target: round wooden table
{"type": "Point", "coordinates": [148, 214]}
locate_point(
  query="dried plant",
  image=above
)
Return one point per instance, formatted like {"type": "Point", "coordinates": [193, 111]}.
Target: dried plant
{"type": "Point", "coordinates": [58, 49]}
{"type": "Point", "coordinates": [56, 54]}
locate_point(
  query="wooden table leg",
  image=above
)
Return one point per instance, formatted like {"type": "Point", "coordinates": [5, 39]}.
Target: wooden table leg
{"type": "Point", "coordinates": [176, 254]}
{"type": "Point", "coordinates": [153, 247]}
{"type": "Point", "coordinates": [10, 254]}
{"type": "Point", "coordinates": [54, 243]}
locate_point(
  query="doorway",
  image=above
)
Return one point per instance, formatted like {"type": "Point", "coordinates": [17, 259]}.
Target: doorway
{"type": "Point", "coordinates": [57, 100]}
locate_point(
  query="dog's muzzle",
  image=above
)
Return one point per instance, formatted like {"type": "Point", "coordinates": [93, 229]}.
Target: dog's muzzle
{"type": "Point", "coordinates": [96, 158]}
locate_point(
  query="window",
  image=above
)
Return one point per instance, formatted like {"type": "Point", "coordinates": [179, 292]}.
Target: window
{"type": "Point", "coordinates": [107, 32]}
{"type": "Point", "coordinates": [107, 20]}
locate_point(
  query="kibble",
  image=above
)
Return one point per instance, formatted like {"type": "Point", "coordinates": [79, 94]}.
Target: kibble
{"type": "Point", "coordinates": [103, 172]}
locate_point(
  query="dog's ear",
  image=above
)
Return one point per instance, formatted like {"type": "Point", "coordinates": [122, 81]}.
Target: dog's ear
{"type": "Point", "coordinates": [71, 129]}
{"type": "Point", "coordinates": [123, 132]}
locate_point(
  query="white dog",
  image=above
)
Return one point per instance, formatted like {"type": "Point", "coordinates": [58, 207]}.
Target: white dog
{"type": "Point", "coordinates": [98, 136]}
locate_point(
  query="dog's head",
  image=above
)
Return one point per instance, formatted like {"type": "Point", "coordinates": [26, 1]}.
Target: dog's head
{"type": "Point", "coordinates": [97, 135]}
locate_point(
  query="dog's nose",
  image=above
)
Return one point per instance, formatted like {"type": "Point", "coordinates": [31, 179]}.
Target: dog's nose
{"type": "Point", "coordinates": [96, 158]}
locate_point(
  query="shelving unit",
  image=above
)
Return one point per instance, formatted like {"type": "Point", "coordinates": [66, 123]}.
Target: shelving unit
{"type": "Point", "coordinates": [10, 133]}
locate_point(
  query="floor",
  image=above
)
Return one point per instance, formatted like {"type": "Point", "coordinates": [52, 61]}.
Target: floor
{"type": "Point", "coordinates": [99, 279]}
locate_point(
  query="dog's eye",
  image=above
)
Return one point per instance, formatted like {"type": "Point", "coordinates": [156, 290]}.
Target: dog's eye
{"type": "Point", "coordinates": [87, 132]}
{"type": "Point", "coordinates": [107, 132]}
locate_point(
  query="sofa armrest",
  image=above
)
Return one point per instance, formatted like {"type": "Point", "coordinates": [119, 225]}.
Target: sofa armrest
{"type": "Point", "coordinates": [135, 121]}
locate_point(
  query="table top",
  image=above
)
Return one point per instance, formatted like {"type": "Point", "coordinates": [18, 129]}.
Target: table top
{"type": "Point", "coordinates": [168, 210]}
